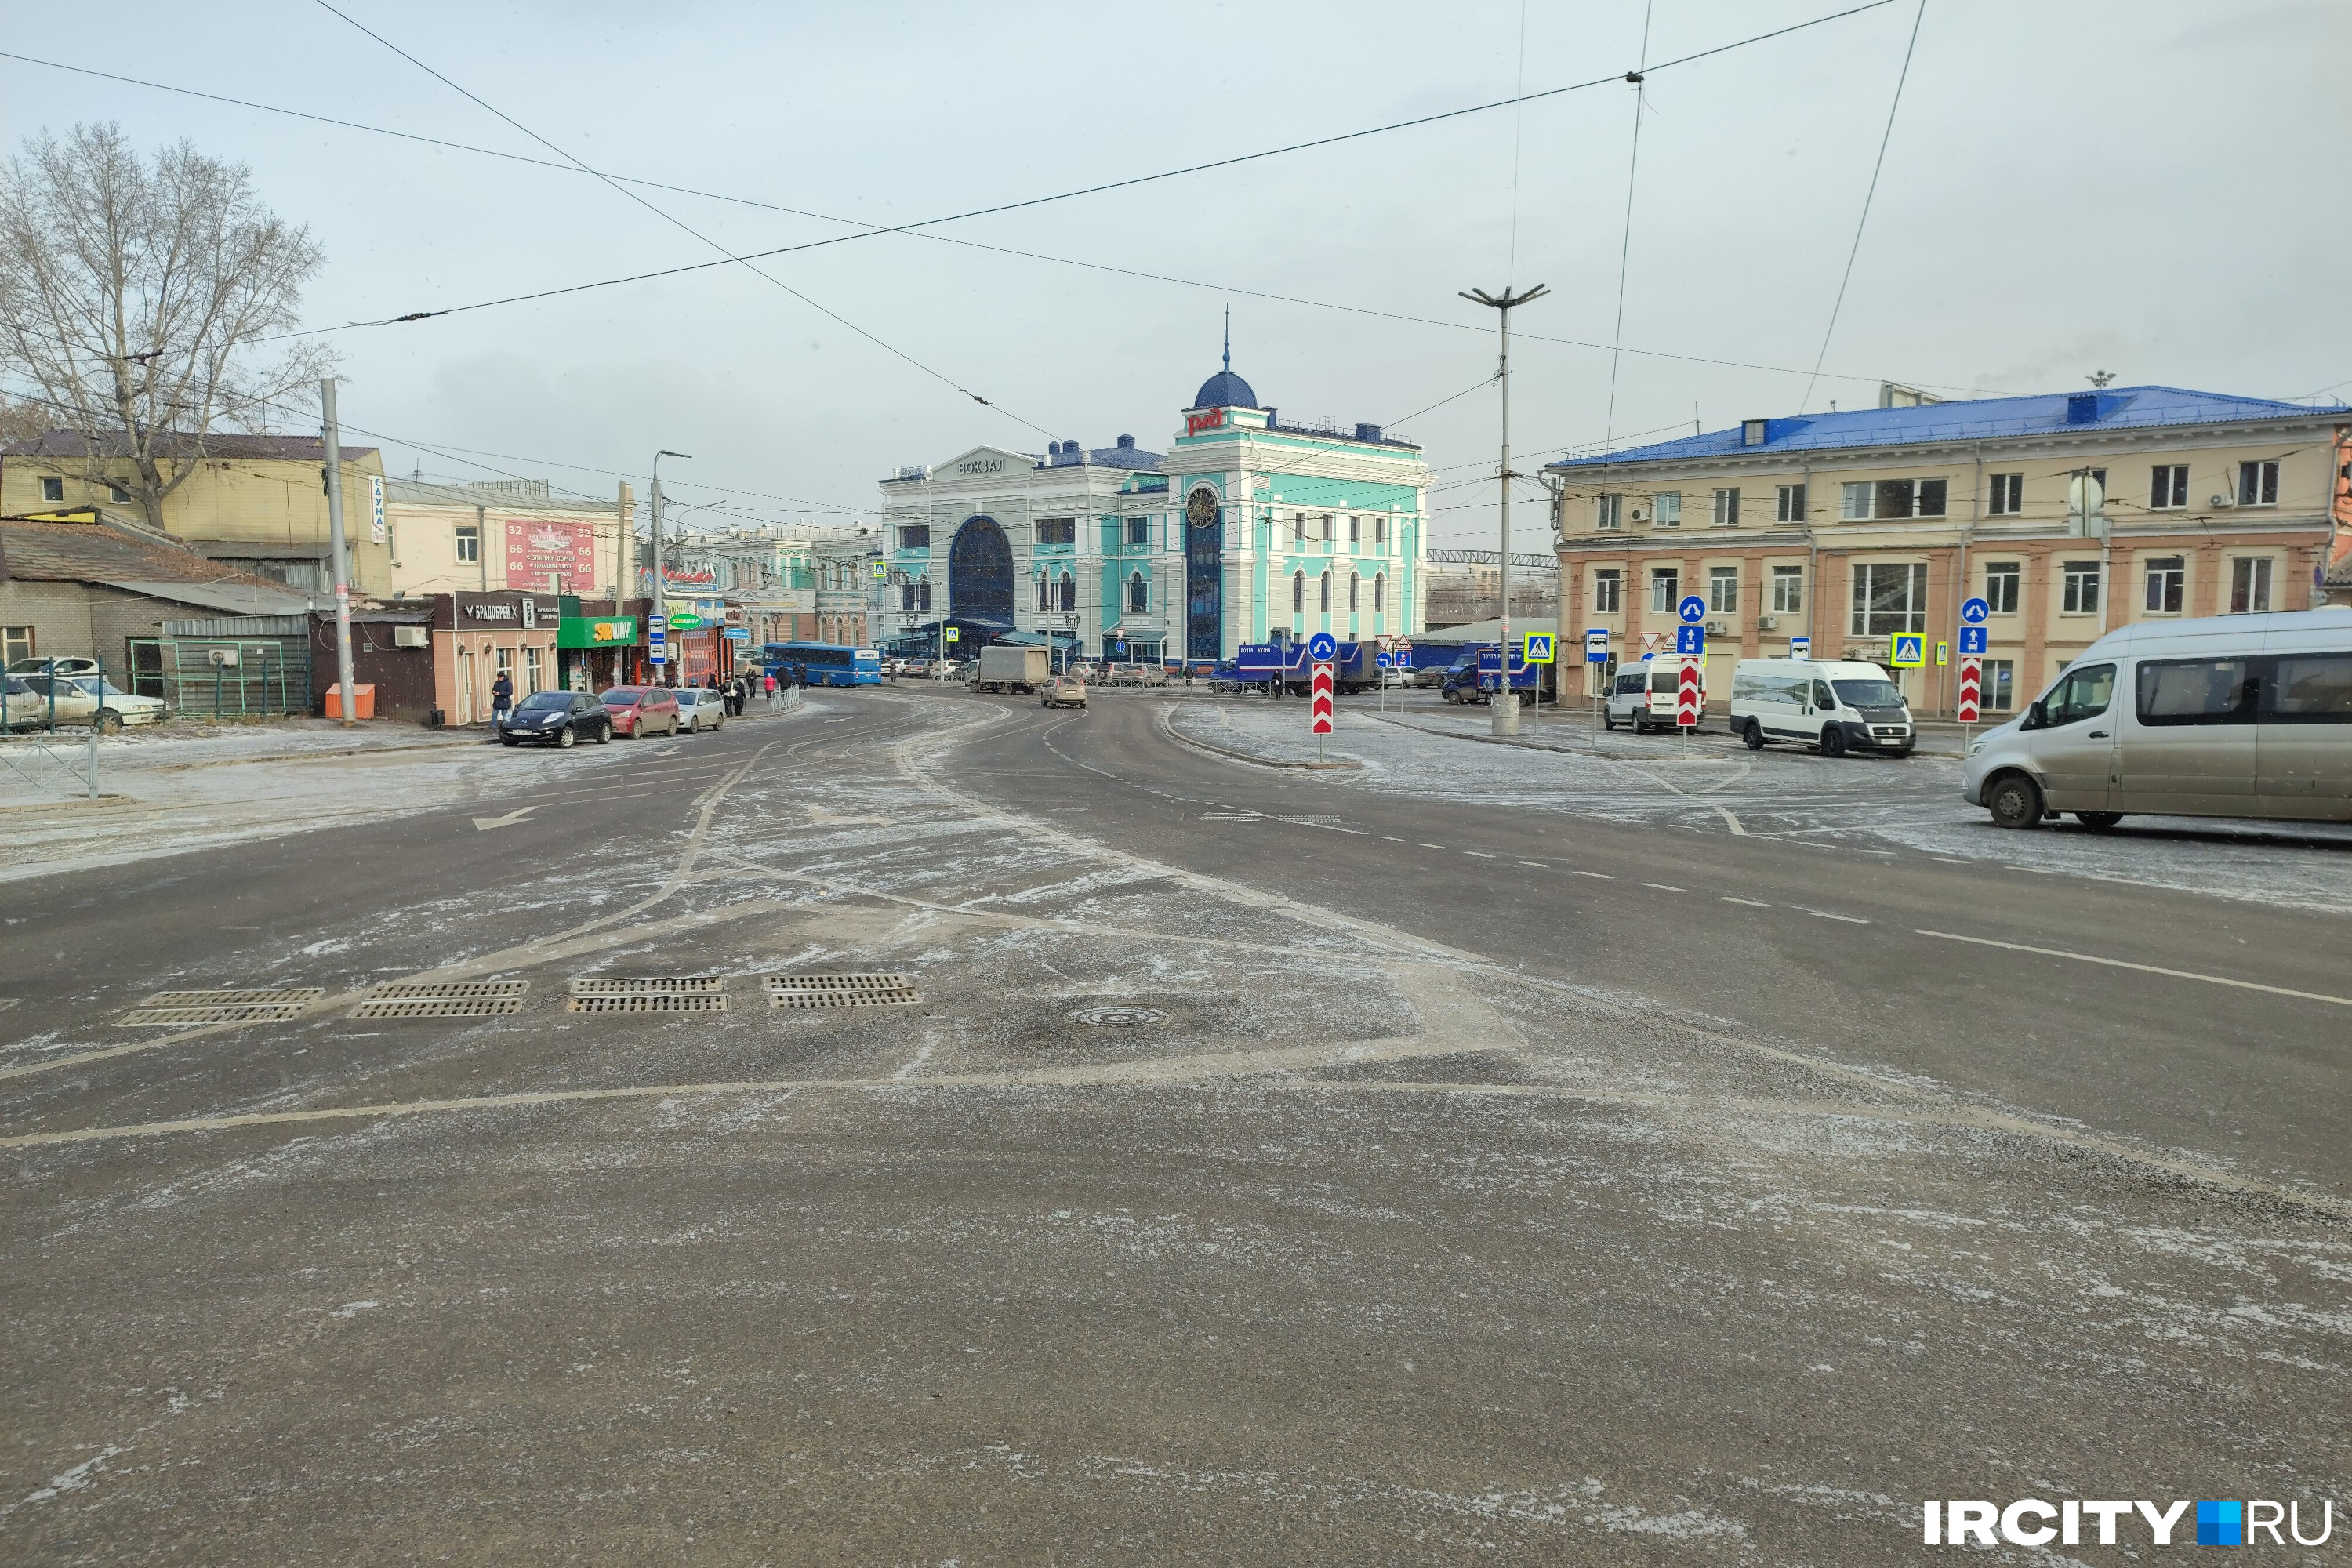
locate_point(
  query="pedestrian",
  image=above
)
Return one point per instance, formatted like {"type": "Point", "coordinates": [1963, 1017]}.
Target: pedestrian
{"type": "Point", "coordinates": [767, 682]}
{"type": "Point", "coordinates": [501, 699]}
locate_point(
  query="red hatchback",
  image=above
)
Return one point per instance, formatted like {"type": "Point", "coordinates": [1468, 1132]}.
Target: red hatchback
{"type": "Point", "coordinates": [642, 710]}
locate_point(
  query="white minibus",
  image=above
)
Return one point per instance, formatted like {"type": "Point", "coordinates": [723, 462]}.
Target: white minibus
{"type": "Point", "coordinates": [1836, 705]}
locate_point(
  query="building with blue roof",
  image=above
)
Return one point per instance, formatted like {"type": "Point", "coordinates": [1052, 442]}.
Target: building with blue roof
{"type": "Point", "coordinates": [2070, 513]}
{"type": "Point", "coordinates": [1246, 529]}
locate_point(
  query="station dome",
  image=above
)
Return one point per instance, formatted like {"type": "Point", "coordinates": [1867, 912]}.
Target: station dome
{"type": "Point", "coordinates": [1225, 390]}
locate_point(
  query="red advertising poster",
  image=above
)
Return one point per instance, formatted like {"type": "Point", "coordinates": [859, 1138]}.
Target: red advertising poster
{"type": "Point", "coordinates": [562, 551]}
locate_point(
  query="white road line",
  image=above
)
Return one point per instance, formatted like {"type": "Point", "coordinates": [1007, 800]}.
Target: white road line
{"type": "Point", "coordinates": [1387, 839]}
{"type": "Point", "coordinates": [2143, 968]}
{"type": "Point", "coordinates": [2037, 870]}
{"type": "Point", "coordinates": [1482, 853]}
{"type": "Point", "coordinates": [1751, 903]}
{"type": "Point", "coordinates": [1432, 847]}
{"type": "Point", "coordinates": [1538, 865]}
{"type": "Point", "coordinates": [1664, 888]}
{"type": "Point", "coordinates": [1941, 861]}
{"type": "Point", "coordinates": [1825, 915]}
{"type": "Point", "coordinates": [1603, 876]}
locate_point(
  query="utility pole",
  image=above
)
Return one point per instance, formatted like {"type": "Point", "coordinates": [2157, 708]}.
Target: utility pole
{"type": "Point", "coordinates": [1506, 701]}
{"type": "Point", "coordinates": [334, 436]}
{"type": "Point", "coordinates": [659, 615]}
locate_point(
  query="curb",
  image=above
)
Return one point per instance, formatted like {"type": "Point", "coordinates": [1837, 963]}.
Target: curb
{"type": "Point", "coordinates": [1167, 723]}
{"type": "Point", "coordinates": [1586, 751]}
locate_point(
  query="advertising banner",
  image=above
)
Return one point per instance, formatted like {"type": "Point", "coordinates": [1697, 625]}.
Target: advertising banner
{"type": "Point", "coordinates": [563, 552]}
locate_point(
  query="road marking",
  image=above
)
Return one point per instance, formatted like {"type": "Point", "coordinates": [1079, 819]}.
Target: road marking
{"type": "Point", "coordinates": [2037, 870]}
{"type": "Point", "coordinates": [1941, 861]}
{"type": "Point", "coordinates": [1481, 854]}
{"type": "Point", "coordinates": [1825, 915]}
{"type": "Point", "coordinates": [2143, 968]}
{"type": "Point", "coordinates": [1432, 847]}
{"type": "Point", "coordinates": [1538, 865]}
{"type": "Point", "coordinates": [1393, 840]}
{"type": "Point", "coordinates": [1751, 903]}
{"type": "Point", "coordinates": [1603, 876]}
{"type": "Point", "coordinates": [484, 824]}
{"type": "Point", "coordinates": [1664, 888]}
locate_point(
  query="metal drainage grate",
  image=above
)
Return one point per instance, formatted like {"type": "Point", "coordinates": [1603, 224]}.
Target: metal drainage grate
{"type": "Point", "coordinates": [401, 990]}
{"type": "Point", "coordinates": [652, 1002]}
{"type": "Point", "coordinates": [184, 1009]}
{"type": "Point", "coordinates": [656, 986]}
{"type": "Point", "coordinates": [839, 990]}
{"type": "Point", "coordinates": [437, 1007]}
{"type": "Point", "coordinates": [1117, 1017]}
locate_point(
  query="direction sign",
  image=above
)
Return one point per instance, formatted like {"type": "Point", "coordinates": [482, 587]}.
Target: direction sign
{"type": "Point", "coordinates": [1974, 611]}
{"type": "Point", "coordinates": [1909, 651]}
{"type": "Point", "coordinates": [1383, 661]}
{"type": "Point", "coordinates": [1686, 698]}
{"type": "Point", "coordinates": [1322, 649]}
{"type": "Point", "coordinates": [1693, 609]}
{"type": "Point", "coordinates": [1972, 640]}
{"type": "Point", "coordinates": [739, 633]}
{"type": "Point", "coordinates": [1971, 687]}
{"type": "Point", "coordinates": [1320, 708]}
{"type": "Point", "coordinates": [1539, 646]}
{"type": "Point", "coordinates": [1596, 646]}
{"type": "Point", "coordinates": [1801, 648]}
{"type": "Point", "coordinates": [1690, 639]}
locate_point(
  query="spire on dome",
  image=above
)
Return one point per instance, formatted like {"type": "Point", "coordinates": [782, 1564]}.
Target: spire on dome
{"type": "Point", "coordinates": [1225, 389]}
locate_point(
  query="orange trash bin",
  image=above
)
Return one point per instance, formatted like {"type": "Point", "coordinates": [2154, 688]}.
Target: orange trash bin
{"type": "Point", "coordinates": [362, 699]}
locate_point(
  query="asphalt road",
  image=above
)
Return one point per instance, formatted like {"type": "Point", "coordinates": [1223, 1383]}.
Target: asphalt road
{"type": "Point", "coordinates": [1271, 1170]}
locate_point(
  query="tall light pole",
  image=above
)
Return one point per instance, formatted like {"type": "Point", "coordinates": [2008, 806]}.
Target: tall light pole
{"type": "Point", "coordinates": [330, 436]}
{"type": "Point", "coordinates": [654, 509]}
{"type": "Point", "coordinates": [1506, 701]}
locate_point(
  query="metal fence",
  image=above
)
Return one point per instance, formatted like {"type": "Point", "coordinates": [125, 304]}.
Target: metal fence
{"type": "Point", "coordinates": [223, 677]}
{"type": "Point", "coordinates": [50, 766]}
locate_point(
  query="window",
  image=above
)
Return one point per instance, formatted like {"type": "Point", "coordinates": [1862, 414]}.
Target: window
{"type": "Point", "coordinates": [2166, 574]}
{"type": "Point", "coordinates": [19, 643]}
{"type": "Point", "coordinates": [1044, 592]}
{"type": "Point", "coordinates": [1298, 592]}
{"type": "Point", "coordinates": [52, 488]}
{"type": "Point", "coordinates": [1889, 597]}
{"type": "Point", "coordinates": [2000, 586]}
{"type": "Point", "coordinates": [2195, 691]}
{"type": "Point", "coordinates": [531, 669]}
{"type": "Point", "coordinates": [1788, 589]}
{"type": "Point", "coordinates": [2082, 692]}
{"type": "Point", "coordinates": [1665, 589]}
{"type": "Point", "coordinates": [914, 536]}
{"type": "Point", "coordinates": [2310, 688]}
{"type": "Point", "coordinates": [1068, 594]}
{"type": "Point", "coordinates": [1609, 510]}
{"type": "Point", "coordinates": [1138, 530]}
{"type": "Point", "coordinates": [1379, 530]}
{"type": "Point", "coordinates": [1326, 527]}
{"type": "Point", "coordinates": [1667, 509]}
{"type": "Point", "coordinates": [1057, 530]}
{"type": "Point", "coordinates": [1791, 504]}
{"type": "Point", "coordinates": [1138, 593]}
{"type": "Point", "coordinates": [1726, 507]}
{"type": "Point", "coordinates": [2167, 487]}
{"type": "Point", "coordinates": [1352, 581]}
{"type": "Point", "coordinates": [2258, 484]}
{"type": "Point", "coordinates": [2082, 590]}
{"type": "Point", "coordinates": [2249, 583]}
{"type": "Point", "coordinates": [2008, 498]}
{"type": "Point", "coordinates": [1299, 527]}
{"type": "Point", "coordinates": [1894, 498]}
{"type": "Point", "coordinates": [1380, 592]}
{"type": "Point", "coordinates": [117, 494]}
{"type": "Point", "coordinates": [1325, 602]}
{"type": "Point", "coordinates": [1608, 591]}
{"type": "Point", "coordinates": [1723, 590]}
{"type": "Point", "coordinates": [907, 596]}
{"type": "Point", "coordinates": [469, 546]}
{"type": "Point", "coordinates": [1999, 692]}
{"type": "Point", "coordinates": [1355, 529]}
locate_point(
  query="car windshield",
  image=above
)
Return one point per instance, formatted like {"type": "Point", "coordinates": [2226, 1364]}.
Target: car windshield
{"type": "Point", "coordinates": [622, 696]}
{"type": "Point", "coordinates": [1868, 693]}
{"type": "Point", "coordinates": [88, 686]}
{"type": "Point", "coordinates": [546, 701]}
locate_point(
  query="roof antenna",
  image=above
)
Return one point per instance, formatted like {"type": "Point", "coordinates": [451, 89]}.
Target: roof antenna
{"type": "Point", "coordinates": [1229, 337]}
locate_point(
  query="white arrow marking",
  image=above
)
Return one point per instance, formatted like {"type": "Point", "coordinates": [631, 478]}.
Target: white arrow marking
{"type": "Point", "coordinates": [484, 824]}
{"type": "Point", "coordinates": [666, 752]}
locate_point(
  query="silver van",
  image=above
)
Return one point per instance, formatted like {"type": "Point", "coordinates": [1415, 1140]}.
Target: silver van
{"type": "Point", "coordinates": [2230, 716]}
{"type": "Point", "coordinates": [1834, 704]}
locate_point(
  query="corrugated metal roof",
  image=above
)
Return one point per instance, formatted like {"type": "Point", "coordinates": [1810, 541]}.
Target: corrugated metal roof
{"type": "Point", "coordinates": [219, 627]}
{"type": "Point", "coordinates": [232, 595]}
{"type": "Point", "coordinates": [218, 444]}
{"type": "Point", "coordinates": [1972, 419]}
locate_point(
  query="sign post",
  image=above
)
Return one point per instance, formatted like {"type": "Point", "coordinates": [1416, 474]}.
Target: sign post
{"type": "Point", "coordinates": [1542, 650]}
{"type": "Point", "coordinates": [1690, 641]}
{"type": "Point", "coordinates": [657, 644]}
{"type": "Point", "coordinates": [1322, 649]}
{"type": "Point", "coordinates": [1974, 612]}
{"type": "Point", "coordinates": [1596, 661]}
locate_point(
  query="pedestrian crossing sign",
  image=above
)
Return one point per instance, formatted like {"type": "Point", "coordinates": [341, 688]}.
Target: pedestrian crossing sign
{"type": "Point", "coordinates": [1909, 652]}
{"type": "Point", "coordinates": [1539, 648]}
{"type": "Point", "coordinates": [953, 634]}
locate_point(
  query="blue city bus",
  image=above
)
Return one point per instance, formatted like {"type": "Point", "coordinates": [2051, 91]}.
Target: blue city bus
{"type": "Point", "coordinates": [825, 664]}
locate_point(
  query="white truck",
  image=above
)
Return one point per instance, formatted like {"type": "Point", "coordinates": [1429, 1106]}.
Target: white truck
{"type": "Point", "coordinates": [1004, 668]}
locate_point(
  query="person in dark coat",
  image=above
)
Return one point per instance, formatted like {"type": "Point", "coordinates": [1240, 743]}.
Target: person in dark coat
{"type": "Point", "coordinates": [501, 698]}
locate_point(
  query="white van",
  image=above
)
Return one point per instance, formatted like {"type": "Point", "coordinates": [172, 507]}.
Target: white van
{"type": "Point", "coordinates": [2227, 716]}
{"type": "Point", "coordinates": [1643, 695]}
{"type": "Point", "coordinates": [1832, 704]}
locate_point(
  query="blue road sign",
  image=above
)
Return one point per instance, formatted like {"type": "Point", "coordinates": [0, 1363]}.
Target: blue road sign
{"type": "Point", "coordinates": [1909, 652]}
{"type": "Point", "coordinates": [1690, 639]}
{"type": "Point", "coordinates": [1693, 609]}
{"type": "Point", "coordinates": [1801, 648]}
{"type": "Point", "coordinates": [1596, 646]}
{"type": "Point", "coordinates": [1322, 648]}
{"type": "Point", "coordinates": [1383, 661]}
{"type": "Point", "coordinates": [1539, 648]}
{"type": "Point", "coordinates": [1972, 639]}
{"type": "Point", "coordinates": [1973, 612]}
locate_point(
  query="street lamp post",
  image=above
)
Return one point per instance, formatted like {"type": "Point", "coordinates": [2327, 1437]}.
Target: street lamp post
{"type": "Point", "coordinates": [1506, 702]}
{"type": "Point", "coordinates": [653, 507]}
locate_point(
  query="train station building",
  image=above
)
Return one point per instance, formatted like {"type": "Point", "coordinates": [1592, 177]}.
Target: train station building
{"type": "Point", "coordinates": [1246, 529]}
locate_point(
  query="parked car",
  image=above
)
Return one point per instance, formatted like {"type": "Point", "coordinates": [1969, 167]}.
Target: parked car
{"type": "Point", "coordinates": [2246, 715]}
{"type": "Point", "coordinates": [69, 665]}
{"type": "Point", "coordinates": [1645, 696]}
{"type": "Point", "coordinates": [1063, 691]}
{"type": "Point", "coordinates": [134, 709]}
{"type": "Point", "coordinates": [1836, 705]}
{"type": "Point", "coordinates": [558, 718]}
{"type": "Point", "coordinates": [700, 708]}
{"type": "Point", "coordinates": [27, 703]}
{"type": "Point", "coordinates": [637, 710]}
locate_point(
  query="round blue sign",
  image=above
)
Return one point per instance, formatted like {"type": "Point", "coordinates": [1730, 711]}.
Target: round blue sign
{"type": "Point", "coordinates": [1322, 648]}
{"type": "Point", "coordinates": [1974, 611]}
{"type": "Point", "coordinates": [1693, 609]}
{"type": "Point", "coordinates": [1382, 660]}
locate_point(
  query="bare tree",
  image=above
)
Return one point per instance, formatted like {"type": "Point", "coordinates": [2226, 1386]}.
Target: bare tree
{"type": "Point", "coordinates": [137, 295]}
{"type": "Point", "coordinates": [23, 421]}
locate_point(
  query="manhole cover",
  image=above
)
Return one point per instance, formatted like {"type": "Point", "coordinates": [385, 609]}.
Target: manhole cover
{"type": "Point", "coordinates": [1117, 1017]}
{"type": "Point", "coordinates": [839, 990]}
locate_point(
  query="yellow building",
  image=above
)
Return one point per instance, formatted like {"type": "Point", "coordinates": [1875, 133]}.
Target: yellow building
{"type": "Point", "coordinates": [507, 535]}
{"type": "Point", "coordinates": [255, 503]}
{"type": "Point", "coordinates": [2072, 514]}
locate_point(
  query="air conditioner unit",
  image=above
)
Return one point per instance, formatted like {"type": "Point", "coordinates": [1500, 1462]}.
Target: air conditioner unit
{"type": "Point", "coordinates": [1768, 623]}
{"type": "Point", "coordinates": [412, 637]}
{"type": "Point", "coordinates": [1718, 628]}
{"type": "Point", "coordinates": [1640, 516]}
{"type": "Point", "coordinates": [2225, 500]}
{"type": "Point", "coordinates": [222, 658]}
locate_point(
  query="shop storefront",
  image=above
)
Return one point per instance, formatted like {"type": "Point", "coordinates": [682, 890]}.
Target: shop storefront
{"type": "Point", "coordinates": [479, 637]}
{"type": "Point", "coordinates": [594, 641]}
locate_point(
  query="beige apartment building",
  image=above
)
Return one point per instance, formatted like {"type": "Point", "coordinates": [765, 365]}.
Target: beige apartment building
{"type": "Point", "coordinates": [503, 536]}
{"type": "Point", "coordinates": [2071, 513]}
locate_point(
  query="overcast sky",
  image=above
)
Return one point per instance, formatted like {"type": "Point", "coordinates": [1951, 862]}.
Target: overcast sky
{"type": "Point", "coordinates": [2145, 186]}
